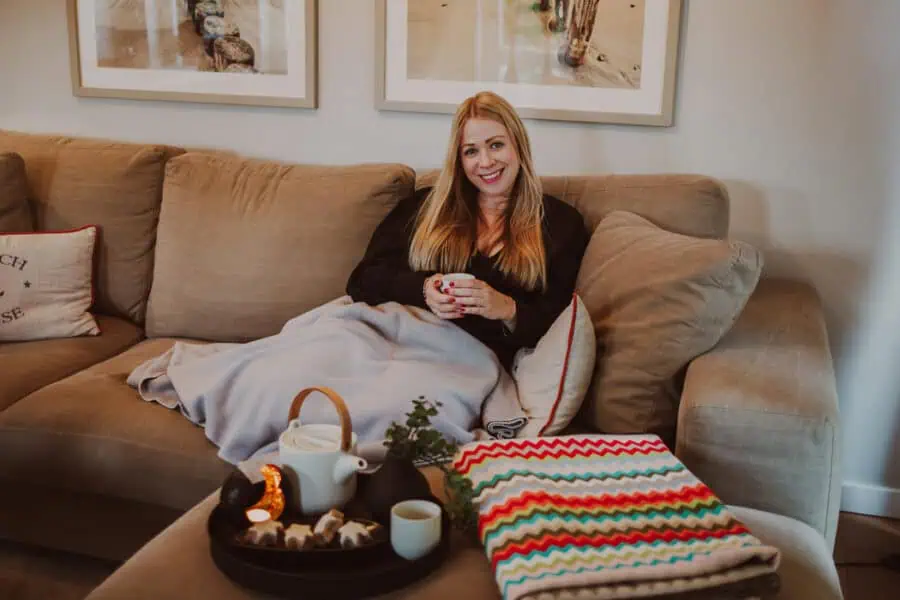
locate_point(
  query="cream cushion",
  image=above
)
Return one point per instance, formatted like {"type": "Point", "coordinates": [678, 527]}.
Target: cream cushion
{"type": "Point", "coordinates": [551, 379]}
{"type": "Point", "coordinates": [658, 299]}
{"type": "Point", "coordinates": [46, 285]}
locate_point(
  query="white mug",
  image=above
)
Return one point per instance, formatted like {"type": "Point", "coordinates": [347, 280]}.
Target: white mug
{"type": "Point", "coordinates": [415, 528]}
{"type": "Point", "coordinates": [446, 279]}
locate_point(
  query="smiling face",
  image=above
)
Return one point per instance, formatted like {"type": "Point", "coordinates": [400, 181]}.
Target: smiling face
{"type": "Point", "coordinates": [488, 157]}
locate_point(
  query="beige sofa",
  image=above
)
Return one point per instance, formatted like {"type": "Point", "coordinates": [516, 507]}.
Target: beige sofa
{"type": "Point", "coordinates": [208, 246]}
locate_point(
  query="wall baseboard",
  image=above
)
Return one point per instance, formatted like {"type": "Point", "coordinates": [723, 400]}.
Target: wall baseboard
{"type": "Point", "coordinates": [867, 499]}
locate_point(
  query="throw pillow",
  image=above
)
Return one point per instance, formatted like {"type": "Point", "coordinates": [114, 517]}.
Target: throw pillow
{"type": "Point", "coordinates": [658, 300]}
{"type": "Point", "coordinates": [551, 379]}
{"type": "Point", "coordinates": [15, 212]}
{"type": "Point", "coordinates": [46, 284]}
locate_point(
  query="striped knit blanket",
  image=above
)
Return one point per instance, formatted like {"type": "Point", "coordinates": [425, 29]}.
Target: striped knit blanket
{"type": "Point", "coordinates": [596, 516]}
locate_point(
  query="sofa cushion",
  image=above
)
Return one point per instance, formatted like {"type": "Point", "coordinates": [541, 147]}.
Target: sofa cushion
{"type": "Point", "coordinates": [551, 379]}
{"type": "Point", "coordinates": [807, 570]}
{"type": "Point", "coordinates": [657, 300]}
{"type": "Point", "coordinates": [92, 433]}
{"type": "Point", "coordinates": [29, 366]}
{"type": "Point", "coordinates": [15, 212]}
{"type": "Point", "coordinates": [46, 284]}
{"type": "Point", "coordinates": [177, 564]}
{"type": "Point", "coordinates": [117, 186]}
{"type": "Point", "coordinates": [281, 239]}
{"type": "Point", "coordinates": [693, 205]}
{"type": "Point", "coordinates": [764, 402]}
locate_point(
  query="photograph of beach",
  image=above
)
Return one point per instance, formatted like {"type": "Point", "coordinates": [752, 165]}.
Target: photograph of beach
{"type": "Point", "coordinates": [232, 36]}
{"type": "Point", "coordinates": [587, 43]}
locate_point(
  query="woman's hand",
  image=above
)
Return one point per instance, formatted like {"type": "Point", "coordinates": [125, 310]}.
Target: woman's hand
{"type": "Point", "coordinates": [478, 298]}
{"type": "Point", "coordinates": [443, 305]}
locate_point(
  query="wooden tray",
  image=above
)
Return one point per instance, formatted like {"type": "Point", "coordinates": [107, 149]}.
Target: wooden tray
{"type": "Point", "coordinates": [329, 573]}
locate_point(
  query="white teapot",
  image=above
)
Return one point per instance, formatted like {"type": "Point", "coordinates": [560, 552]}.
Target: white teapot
{"type": "Point", "coordinates": [319, 460]}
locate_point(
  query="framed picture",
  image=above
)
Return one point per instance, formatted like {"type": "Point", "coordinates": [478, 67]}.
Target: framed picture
{"type": "Point", "coordinates": [252, 52]}
{"type": "Point", "coordinates": [604, 61]}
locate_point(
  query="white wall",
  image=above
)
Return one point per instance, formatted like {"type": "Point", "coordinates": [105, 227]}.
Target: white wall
{"type": "Point", "coordinates": [869, 372]}
{"type": "Point", "coordinates": [785, 101]}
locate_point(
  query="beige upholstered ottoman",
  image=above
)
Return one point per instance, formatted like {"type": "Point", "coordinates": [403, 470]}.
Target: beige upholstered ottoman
{"type": "Point", "coordinates": [177, 565]}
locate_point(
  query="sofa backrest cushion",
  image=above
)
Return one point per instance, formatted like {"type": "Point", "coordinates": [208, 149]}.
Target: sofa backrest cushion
{"type": "Point", "coordinates": [74, 182]}
{"type": "Point", "coordinates": [657, 300]}
{"type": "Point", "coordinates": [694, 205]}
{"type": "Point", "coordinates": [245, 244]}
{"type": "Point", "coordinates": [15, 213]}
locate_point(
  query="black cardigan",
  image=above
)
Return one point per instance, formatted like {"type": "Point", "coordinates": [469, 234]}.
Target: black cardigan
{"type": "Point", "coordinates": [384, 275]}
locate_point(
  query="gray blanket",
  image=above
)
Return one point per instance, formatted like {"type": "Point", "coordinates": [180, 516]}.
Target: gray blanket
{"type": "Point", "coordinates": [377, 358]}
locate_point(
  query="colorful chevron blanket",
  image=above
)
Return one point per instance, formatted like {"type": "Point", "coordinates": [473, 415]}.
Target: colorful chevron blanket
{"type": "Point", "coordinates": [594, 516]}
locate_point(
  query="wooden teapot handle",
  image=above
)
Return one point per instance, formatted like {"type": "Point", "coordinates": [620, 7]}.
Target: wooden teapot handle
{"type": "Point", "coordinates": [339, 404]}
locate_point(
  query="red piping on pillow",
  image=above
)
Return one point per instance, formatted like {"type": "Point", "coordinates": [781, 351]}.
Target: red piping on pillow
{"type": "Point", "coordinates": [562, 377]}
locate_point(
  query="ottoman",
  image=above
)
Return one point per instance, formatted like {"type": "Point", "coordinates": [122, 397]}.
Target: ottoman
{"type": "Point", "coordinates": [176, 565]}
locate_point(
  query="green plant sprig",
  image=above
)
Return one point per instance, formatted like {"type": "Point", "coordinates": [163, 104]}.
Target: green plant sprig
{"type": "Point", "coordinates": [417, 440]}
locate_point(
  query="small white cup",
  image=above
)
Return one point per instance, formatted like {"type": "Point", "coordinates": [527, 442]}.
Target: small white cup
{"type": "Point", "coordinates": [446, 279]}
{"type": "Point", "coordinates": [415, 528]}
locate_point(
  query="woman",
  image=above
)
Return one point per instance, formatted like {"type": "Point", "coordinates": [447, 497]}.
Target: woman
{"type": "Point", "coordinates": [488, 216]}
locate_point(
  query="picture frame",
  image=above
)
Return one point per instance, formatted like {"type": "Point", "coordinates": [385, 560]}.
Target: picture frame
{"type": "Point", "coordinates": [535, 54]}
{"type": "Point", "coordinates": [170, 50]}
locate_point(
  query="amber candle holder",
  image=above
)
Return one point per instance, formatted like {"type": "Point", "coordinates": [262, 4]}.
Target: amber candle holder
{"type": "Point", "coordinates": [272, 502]}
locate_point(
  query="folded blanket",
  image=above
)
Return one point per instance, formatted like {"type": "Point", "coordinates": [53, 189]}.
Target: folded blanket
{"type": "Point", "coordinates": [593, 516]}
{"type": "Point", "coordinates": [378, 359]}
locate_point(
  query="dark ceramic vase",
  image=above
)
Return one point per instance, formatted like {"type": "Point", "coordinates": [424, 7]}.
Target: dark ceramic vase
{"type": "Point", "coordinates": [236, 495]}
{"type": "Point", "coordinates": [396, 480]}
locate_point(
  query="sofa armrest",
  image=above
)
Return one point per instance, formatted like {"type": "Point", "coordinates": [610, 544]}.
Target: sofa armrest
{"type": "Point", "coordinates": [758, 420]}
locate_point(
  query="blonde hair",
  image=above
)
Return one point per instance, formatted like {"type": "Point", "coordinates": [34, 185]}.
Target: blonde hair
{"type": "Point", "coordinates": [446, 228]}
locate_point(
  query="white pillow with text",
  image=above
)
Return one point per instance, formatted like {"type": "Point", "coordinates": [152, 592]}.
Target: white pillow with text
{"type": "Point", "coordinates": [46, 284]}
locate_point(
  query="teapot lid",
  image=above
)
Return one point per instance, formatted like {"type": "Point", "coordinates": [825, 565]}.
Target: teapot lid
{"type": "Point", "coordinates": [313, 438]}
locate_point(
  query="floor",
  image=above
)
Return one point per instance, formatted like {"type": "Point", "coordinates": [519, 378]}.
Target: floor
{"type": "Point", "coordinates": [866, 540]}
{"type": "Point", "coordinates": [32, 574]}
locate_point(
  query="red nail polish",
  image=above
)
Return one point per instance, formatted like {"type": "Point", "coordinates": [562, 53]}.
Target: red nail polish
{"type": "Point", "coordinates": [451, 284]}
{"type": "Point", "coordinates": [452, 299]}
